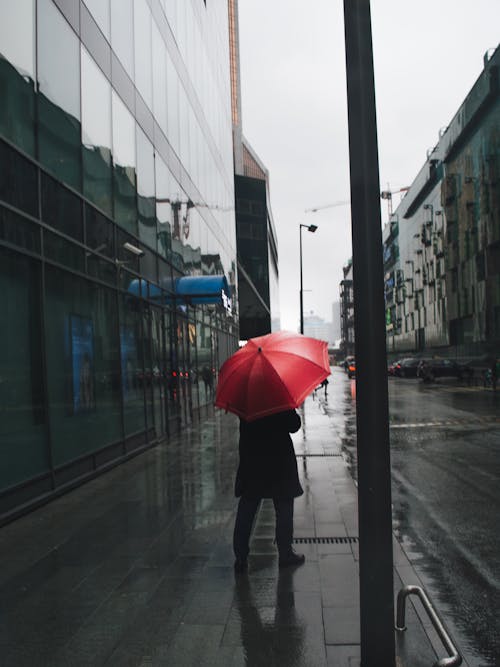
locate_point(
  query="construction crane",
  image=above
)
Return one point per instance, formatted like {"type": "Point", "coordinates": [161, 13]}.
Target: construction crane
{"type": "Point", "coordinates": [320, 208]}
{"type": "Point", "coordinates": [387, 194]}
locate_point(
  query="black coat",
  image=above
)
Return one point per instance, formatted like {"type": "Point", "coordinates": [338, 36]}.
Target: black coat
{"type": "Point", "coordinates": [268, 467]}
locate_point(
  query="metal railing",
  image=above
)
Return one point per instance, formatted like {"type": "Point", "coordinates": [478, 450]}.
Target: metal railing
{"type": "Point", "coordinates": [454, 656]}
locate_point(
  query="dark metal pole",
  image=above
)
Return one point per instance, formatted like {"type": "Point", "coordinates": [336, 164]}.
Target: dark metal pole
{"type": "Point", "coordinates": [301, 286]}
{"type": "Point", "coordinates": [374, 473]}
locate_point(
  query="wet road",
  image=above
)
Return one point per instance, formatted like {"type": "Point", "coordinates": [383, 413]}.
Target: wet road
{"type": "Point", "coordinates": [445, 457]}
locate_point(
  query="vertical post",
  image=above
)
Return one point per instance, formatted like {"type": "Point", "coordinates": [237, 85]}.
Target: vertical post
{"type": "Point", "coordinates": [301, 286]}
{"type": "Point", "coordinates": [374, 475]}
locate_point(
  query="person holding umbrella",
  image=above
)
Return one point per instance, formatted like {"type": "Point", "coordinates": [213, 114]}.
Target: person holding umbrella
{"type": "Point", "coordinates": [267, 469]}
{"type": "Point", "coordinates": [263, 383]}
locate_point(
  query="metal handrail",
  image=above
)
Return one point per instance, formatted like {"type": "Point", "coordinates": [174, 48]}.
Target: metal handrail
{"type": "Point", "coordinates": [454, 656]}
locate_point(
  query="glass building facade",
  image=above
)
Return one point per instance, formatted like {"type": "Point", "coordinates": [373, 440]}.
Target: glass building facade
{"type": "Point", "coordinates": [116, 171]}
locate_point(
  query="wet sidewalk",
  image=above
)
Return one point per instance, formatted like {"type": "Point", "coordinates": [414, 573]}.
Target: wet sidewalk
{"type": "Point", "coordinates": [135, 569]}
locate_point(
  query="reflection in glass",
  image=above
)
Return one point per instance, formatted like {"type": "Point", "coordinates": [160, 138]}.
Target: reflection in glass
{"type": "Point", "coordinates": [142, 49]}
{"type": "Point", "coordinates": [125, 209]}
{"type": "Point", "coordinates": [61, 208]}
{"type": "Point", "coordinates": [23, 432]}
{"type": "Point", "coordinates": [122, 33]}
{"type": "Point", "coordinates": [159, 79]}
{"type": "Point", "coordinates": [163, 207]}
{"type": "Point", "coordinates": [146, 189]}
{"type": "Point", "coordinates": [82, 356]}
{"type": "Point", "coordinates": [17, 40]}
{"type": "Point", "coordinates": [96, 134]}
{"type": "Point", "coordinates": [59, 96]}
{"type": "Point", "coordinates": [132, 368]}
{"type": "Point", "coordinates": [18, 180]}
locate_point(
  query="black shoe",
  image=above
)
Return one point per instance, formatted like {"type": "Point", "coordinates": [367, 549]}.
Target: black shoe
{"type": "Point", "coordinates": [292, 559]}
{"type": "Point", "coordinates": [240, 566]}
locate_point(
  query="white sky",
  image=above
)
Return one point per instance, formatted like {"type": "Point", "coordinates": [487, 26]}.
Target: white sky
{"type": "Point", "coordinates": [427, 56]}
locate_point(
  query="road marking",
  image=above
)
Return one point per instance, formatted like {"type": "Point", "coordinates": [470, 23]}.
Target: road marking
{"type": "Point", "coordinates": [449, 422]}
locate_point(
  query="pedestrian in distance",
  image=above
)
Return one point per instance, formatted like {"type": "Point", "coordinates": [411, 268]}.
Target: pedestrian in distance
{"type": "Point", "coordinates": [267, 469]}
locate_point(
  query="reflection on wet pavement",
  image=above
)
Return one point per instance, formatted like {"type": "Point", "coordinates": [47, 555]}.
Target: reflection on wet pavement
{"type": "Point", "coordinates": [445, 449]}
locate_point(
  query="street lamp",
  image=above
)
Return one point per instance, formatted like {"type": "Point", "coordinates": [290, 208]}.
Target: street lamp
{"type": "Point", "coordinates": [310, 228]}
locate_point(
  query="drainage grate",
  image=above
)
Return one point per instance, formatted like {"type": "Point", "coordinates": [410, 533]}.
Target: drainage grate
{"type": "Point", "coordinates": [325, 540]}
{"type": "Point", "coordinates": [306, 456]}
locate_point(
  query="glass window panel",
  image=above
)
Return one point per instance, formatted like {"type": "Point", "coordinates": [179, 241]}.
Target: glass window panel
{"type": "Point", "coordinates": [163, 207]}
{"type": "Point", "coordinates": [61, 208]}
{"type": "Point", "coordinates": [59, 94]}
{"type": "Point", "coordinates": [17, 35]}
{"type": "Point", "coordinates": [122, 33]}
{"type": "Point", "coordinates": [124, 164]}
{"type": "Point", "coordinates": [19, 231]}
{"type": "Point", "coordinates": [132, 364]}
{"type": "Point", "coordinates": [23, 435]}
{"type": "Point", "coordinates": [142, 48]}
{"type": "Point", "coordinates": [125, 257]}
{"type": "Point", "coordinates": [159, 79]}
{"type": "Point", "coordinates": [83, 365]}
{"type": "Point", "coordinates": [158, 376]}
{"type": "Point", "coordinates": [62, 251]}
{"type": "Point", "coordinates": [100, 11]}
{"type": "Point", "coordinates": [184, 127]}
{"type": "Point", "coordinates": [18, 180]}
{"type": "Point", "coordinates": [96, 134]}
{"type": "Point", "coordinates": [148, 363]}
{"type": "Point", "coordinates": [172, 105]}
{"type": "Point", "coordinates": [17, 41]}
{"type": "Point", "coordinates": [101, 269]}
{"type": "Point", "coordinates": [99, 233]}
{"type": "Point", "coordinates": [149, 265]}
{"type": "Point", "coordinates": [146, 189]}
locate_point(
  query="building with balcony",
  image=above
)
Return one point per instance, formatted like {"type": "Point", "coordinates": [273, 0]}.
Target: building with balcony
{"type": "Point", "coordinates": [442, 244]}
{"type": "Point", "coordinates": [347, 312]}
{"type": "Point", "coordinates": [118, 262]}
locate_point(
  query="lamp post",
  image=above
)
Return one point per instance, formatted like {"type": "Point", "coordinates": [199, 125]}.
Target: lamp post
{"type": "Point", "coordinates": [310, 228]}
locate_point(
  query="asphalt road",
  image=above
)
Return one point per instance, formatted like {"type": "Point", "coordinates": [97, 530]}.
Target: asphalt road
{"type": "Point", "coordinates": [445, 458]}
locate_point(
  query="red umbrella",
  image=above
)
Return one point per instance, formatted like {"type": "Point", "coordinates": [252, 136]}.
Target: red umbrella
{"type": "Point", "coordinates": [270, 374]}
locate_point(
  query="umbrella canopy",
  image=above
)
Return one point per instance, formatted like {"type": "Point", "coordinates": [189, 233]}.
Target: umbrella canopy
{"type": "Point", "coordinates": [271, 373]}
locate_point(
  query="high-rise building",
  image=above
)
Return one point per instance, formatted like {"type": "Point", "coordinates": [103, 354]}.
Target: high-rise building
{"type": "Point", "coordinates": [256, 239]}
{"type": "Point", "coordinates": [118, 261]}
{"type": "Point", "coordinates": [317, 327]}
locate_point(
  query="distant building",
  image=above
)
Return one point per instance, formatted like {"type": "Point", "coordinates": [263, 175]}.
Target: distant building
{"type": "Point", "coordinates": [316, 327]}
{"type": "Point", "coordinates": [347, 311]}
{"type": "Point", "coordinates": [335, 320]}
{"type": "Point", "coordinates": [442, 243]}
{"type": "Point", "coordinates": [256, 239]}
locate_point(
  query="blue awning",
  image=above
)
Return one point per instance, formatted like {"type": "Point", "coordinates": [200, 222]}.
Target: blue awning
{"type": "Point", "coordinates": [187, 290]}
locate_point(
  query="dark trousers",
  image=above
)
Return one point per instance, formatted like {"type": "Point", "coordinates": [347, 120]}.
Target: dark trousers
{"type": "Point", "coordinates": [245, 516]}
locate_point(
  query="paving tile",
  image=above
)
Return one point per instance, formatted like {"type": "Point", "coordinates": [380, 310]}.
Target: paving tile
{"type": "Point", "coordinates": [135, 569]}
{"type": "Point", "coordinates": [343, 656]}
{"type": "Point", "coordinates": [341, 625]}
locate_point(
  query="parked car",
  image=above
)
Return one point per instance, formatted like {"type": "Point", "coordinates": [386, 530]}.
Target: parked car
{"type": "Point", "coordinates": [407, 368]}
{"type": "Point", "coordinates": [391, 368]}
{"type": "Point", "coordinates": [430, 369]}
{"type": "Point", "coordinates": [346, 362]}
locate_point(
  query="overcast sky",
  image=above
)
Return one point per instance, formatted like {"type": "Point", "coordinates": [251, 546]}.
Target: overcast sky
{"type": "Point", "coordinates": [427, 56]}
